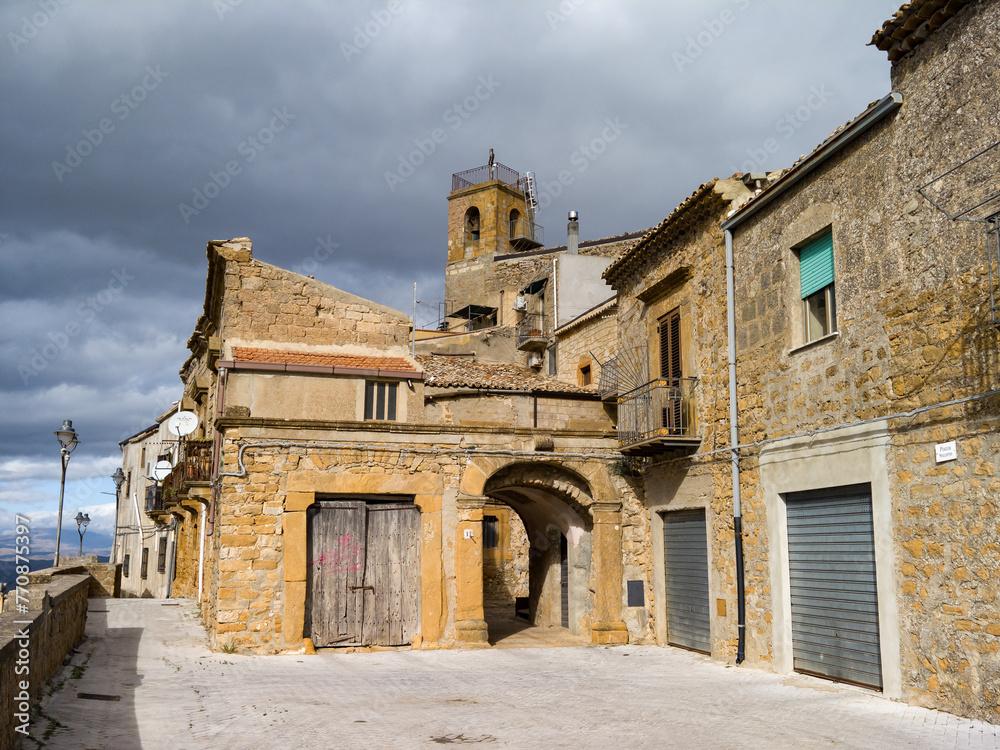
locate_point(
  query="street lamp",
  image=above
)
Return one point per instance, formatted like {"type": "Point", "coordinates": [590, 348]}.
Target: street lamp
{"type": "Point", "coordinates": [82, 519]}
{"type": "Point", "coordinates": [119, 478]}
{"type": "Point", "coordinates": [68, 439]}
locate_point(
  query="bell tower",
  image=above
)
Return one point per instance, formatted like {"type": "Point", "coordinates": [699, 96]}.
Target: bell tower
{"type": "Point", "coordinates": [491, 211]}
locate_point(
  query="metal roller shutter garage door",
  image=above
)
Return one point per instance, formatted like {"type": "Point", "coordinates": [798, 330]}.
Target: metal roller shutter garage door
{"type": "Point", "coordinates": [831, 563]}
{"type": "Point", "coordinates": [685, 543]}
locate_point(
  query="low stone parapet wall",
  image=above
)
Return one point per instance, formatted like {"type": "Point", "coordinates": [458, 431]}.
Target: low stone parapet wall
{"type": "Point", "coordinates": [34, 642]}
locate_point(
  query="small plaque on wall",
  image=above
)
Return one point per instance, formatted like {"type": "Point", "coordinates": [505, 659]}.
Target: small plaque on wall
{"type": "Point", "coordinates": [945, 451]}
{"type": "Point", "coordinates": [636, 595]}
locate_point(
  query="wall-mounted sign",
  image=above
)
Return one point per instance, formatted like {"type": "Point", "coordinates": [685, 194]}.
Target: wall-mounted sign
{"type": "Point", "coordinates": [945, 451]}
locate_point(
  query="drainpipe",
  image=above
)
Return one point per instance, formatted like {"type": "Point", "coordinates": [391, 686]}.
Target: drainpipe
{"type": "Point", "coordinates": [555, 293]}
{"type": "Point", "coordinates": [201, 550]}
{"type": "Point", "coordinates": [734, 442]}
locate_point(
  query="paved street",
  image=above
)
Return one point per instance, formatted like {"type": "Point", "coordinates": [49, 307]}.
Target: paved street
{"type": "Point", "coordinates": [176, 694]}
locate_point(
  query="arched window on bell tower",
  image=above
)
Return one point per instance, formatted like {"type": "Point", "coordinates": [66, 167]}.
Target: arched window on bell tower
{"type": "Point", "coordinates": [472, 225]}
{"type": "Point", "coordinates": [515, 217]}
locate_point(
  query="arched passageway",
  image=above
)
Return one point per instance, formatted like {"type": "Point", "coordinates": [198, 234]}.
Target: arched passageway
{"type": "Point", "coordinates": [550, 566]}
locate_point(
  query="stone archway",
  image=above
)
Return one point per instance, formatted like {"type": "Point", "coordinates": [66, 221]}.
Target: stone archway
{"type": "Point", "coordinates": [556, 503]}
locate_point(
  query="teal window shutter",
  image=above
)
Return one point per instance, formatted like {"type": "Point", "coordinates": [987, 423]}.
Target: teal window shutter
{"type": "Point", "coordinates": [816, 264]}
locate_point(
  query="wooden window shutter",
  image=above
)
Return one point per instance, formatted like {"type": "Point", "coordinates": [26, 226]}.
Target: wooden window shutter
{"type": "Point", "coordinates": [670, 345]}
{"type": "Point", "coordinates": [670, 370]}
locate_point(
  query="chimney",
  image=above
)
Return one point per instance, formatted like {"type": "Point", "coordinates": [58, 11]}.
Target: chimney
{"type": "Point", "coordinates": [573, 233]}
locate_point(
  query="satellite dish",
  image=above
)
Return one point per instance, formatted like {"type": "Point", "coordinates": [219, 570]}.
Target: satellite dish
{"type": "Point", "coordinates": [183, 423]}
{"type": "Point", "coordinates": [162, 470]}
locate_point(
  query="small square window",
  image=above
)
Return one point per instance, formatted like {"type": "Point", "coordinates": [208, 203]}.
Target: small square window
{"type": "Point", "coordinates": [380, 400]}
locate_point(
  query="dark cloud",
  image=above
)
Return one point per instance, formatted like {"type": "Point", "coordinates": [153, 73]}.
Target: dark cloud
{"type": "Point", "coordinates": [291, 123]}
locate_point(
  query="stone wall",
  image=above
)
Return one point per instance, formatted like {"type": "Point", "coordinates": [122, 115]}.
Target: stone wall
{"type": "Point", "coordinates": [505, 569]}
{"type": "Point", "coordinates": [55, 621]}
{"type": "Point", "coordinates": [683, 267]}
{"type": "Point", "coordinates": [105, 577]}
{"type": "Point", "coordinates": [267, 305]}
{"type": "Point", "coordinates": [579, 346]}
{"type": "Point", "coordinates": [914, 330]}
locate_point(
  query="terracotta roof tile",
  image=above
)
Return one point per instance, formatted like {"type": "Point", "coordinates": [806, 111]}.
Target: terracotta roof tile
{"type": "Point", "coordinates": [459, 372]}
{"type": "Point", "coordinates": [913, 23]}
{"type": "Point", "coordinates": [248, 354]}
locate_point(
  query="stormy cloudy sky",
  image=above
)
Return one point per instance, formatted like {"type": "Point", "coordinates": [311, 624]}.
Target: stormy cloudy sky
{"type": "Point", "coordinates": [133, 133]}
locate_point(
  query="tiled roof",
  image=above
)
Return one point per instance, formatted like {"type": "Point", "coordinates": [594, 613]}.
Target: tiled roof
{"type": "Point", "coordinates": [459, 372]}
{"type": "Point", "coordinates": [248, 354]}
{"type": "Point", "coordinates": [913, 23]}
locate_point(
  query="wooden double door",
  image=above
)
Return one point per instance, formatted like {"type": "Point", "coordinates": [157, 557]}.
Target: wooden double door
{"type": "Point", "coordinates": [363, 575]}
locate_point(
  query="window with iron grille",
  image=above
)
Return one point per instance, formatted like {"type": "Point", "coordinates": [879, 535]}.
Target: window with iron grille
{"type": "Point", "coordinates": [144, 565]}
{"type": "Point", "coordinates": [125, 562]}
{"type": "Point", "coordinates": [161, 556]}
{"type": "Point", "coordinates": [380, 400]}
{"type": "Point", "coordinates": [491, 532]}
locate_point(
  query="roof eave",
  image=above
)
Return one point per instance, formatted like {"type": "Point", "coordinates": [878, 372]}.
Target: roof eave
{"type": "Point", "coordinates": [835, 145]}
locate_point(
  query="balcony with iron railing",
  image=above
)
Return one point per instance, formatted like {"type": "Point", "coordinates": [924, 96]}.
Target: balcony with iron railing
{"type": "Point", "coordinates": [487, 173]}
{"type": "Point", "coordinates": [526, 235]}
{"type": "Point", "coordinates": [610, 381]}
{"type": "Point", "coordinates": [532, 334]}
{"type": "Point", "coordinates": [658, 417]}
{"type": "Point", "coordinates": [193, 470]}
{"type": "Point", "coordinates": [154, 498]}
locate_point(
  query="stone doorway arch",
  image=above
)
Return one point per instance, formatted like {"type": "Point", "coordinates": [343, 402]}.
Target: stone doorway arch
{"type": "Point", "coordinates": [555, 502]}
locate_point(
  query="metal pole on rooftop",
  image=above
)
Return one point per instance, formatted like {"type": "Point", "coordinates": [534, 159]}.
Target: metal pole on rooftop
{"type": "Point", "coordinates": [414, 347]}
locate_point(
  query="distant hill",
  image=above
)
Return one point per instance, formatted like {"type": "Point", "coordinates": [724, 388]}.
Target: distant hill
{"type": "Point", "coordinates": [8, 569]}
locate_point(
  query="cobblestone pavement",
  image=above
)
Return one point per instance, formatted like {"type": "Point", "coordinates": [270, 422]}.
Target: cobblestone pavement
{"type": "Point", "coordinates": [176, 694]}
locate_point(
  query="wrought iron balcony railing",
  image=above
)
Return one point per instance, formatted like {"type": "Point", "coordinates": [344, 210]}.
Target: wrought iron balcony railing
{"type": "Point", "coordinates": [609, 383]}
{"type": "Point", "coordinates": [657, 416]}
{"type": "Point", "coordinates": [526, 235]}
{"type": "Point", "coordinates": [531, 331]}
{"type": "Point", "coordinates": [195, 466]}
{"type": "Point", "coordinates": [154, 498]}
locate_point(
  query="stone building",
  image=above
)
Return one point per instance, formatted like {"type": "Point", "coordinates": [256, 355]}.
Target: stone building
{"type": "Point", "coordinates": [145, 535]}
{"type": "Point", "coordinates": [500, 274]}
{"type": "Point", "coordinates": [668, 381]}
{"type": "Point", "coordinates": [351, 479]}
{"type": "Point", "coordinates": [867, 365]}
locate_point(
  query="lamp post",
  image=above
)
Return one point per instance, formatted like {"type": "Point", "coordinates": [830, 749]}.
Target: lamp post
{"type": "Point", "coordinates": [119, 478]}
{"type": "Point", "coordinates": [68, 439]}
{"type": "Point", "coordinates": [82, 519]}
